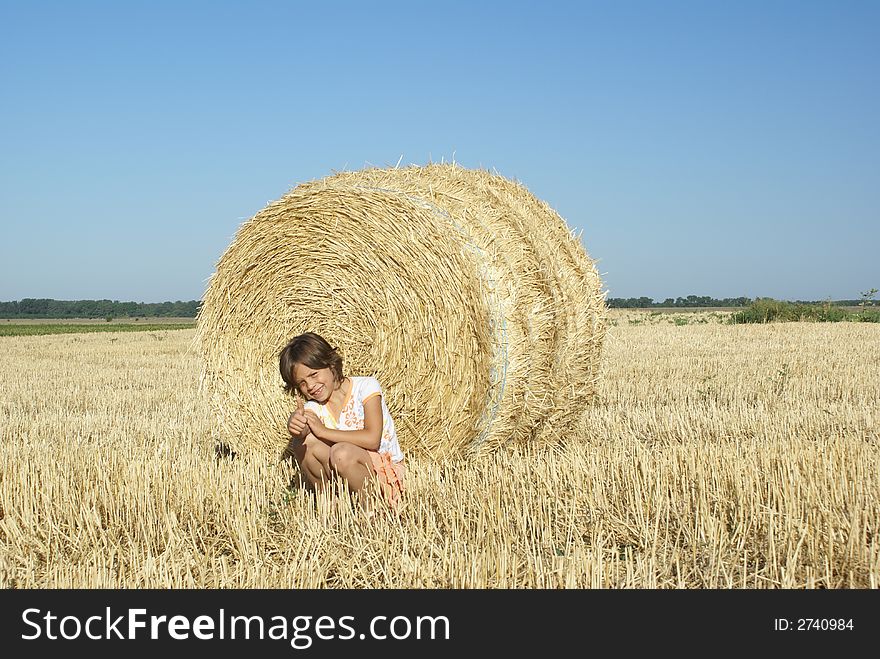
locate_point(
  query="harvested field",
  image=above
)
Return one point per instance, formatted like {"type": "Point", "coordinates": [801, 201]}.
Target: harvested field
{"type": "Point", "coordinates": [714, 456]}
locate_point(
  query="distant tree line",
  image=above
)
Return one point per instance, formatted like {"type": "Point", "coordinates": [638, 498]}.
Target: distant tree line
{"type": "Point", "coordinates": [705, 301]}
{"type": "Point", "coordinates": [47, 308]}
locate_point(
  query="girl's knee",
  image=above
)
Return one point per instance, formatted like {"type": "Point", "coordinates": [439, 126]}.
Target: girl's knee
{"type": "Point", "coordinates": [312, 455]}
{"type": "Point", "coordinates": [310, 446]}
{"type": "Point", "coordinates": [343, 455]}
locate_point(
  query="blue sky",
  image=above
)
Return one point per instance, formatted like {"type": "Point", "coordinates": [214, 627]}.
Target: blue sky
{"type": "Point", "coordinates": [707, 148]}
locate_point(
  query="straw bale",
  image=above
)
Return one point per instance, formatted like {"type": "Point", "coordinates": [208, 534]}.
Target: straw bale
{"type": "Point", "coordinates": [468, 298]}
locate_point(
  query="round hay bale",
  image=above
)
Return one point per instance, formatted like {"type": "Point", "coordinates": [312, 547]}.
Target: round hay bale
{"type": "Point", "coordinates": [468, 298]}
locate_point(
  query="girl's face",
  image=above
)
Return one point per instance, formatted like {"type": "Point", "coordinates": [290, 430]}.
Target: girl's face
{"type": "Point", "coordinates": [314, 383]}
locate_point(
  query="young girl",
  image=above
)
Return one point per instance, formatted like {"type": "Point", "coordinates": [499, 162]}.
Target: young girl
{"type": "Point", "coordinates": [344, 429]}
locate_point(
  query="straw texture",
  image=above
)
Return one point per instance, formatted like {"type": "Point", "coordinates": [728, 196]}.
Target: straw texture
{"type": "Point", "coordinates": [468, 298]}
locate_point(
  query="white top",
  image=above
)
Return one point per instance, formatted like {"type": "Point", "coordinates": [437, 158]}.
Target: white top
{"type": "Point", "coordinates": [352, 415]}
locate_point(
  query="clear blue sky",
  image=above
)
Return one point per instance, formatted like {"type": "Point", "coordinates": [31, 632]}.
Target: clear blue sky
{"type": "Point", "coordinates": [707, 148]}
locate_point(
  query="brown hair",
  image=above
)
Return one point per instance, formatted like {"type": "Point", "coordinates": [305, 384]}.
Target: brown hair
{"type": "Point", "coordinates": [311, 350]}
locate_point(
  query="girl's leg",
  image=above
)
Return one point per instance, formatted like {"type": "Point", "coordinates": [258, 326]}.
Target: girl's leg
{"type": "Point", "coordinates": [313, 457]}
{"type": "Point", "coordinates": [352, 463]}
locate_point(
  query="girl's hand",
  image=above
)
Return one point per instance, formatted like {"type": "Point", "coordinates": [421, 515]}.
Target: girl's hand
{"type": "Point", "coordinates": [317, 428]}
{"type": "Point", "coordinates": [296, 422]}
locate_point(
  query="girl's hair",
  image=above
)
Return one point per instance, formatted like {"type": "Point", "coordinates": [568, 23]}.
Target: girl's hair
{"type": "Point", "coordinates": [313, 351]}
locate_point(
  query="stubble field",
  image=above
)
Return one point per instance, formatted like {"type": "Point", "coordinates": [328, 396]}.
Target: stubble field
{"type": "Point", "coordinates": [715, 456]}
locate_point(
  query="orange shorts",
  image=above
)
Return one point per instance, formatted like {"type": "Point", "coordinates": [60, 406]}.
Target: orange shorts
{"type": "Point", "coordinates": [390, 475]}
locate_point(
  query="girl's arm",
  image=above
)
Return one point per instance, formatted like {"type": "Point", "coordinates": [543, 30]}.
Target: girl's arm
{"type": "Point", "coordinates": [368, 438]}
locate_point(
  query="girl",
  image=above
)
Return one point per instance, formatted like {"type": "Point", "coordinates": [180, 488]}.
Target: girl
{"type": "Point", "coordinates": [344, 429]}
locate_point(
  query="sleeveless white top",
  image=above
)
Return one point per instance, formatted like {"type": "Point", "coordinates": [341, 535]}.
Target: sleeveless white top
{"type": "Point", "coordinates": [352, 415]}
